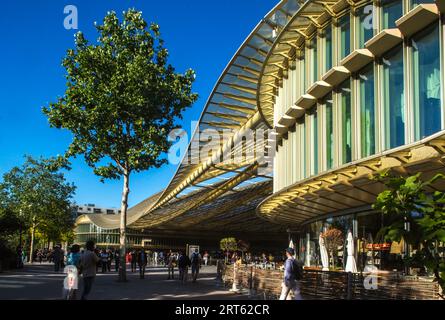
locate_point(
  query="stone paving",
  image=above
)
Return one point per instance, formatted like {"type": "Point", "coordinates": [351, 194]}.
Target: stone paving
{"type": "Point", "coordinates": [40, 282]}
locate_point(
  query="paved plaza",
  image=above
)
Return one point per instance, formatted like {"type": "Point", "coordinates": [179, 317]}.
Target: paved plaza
{"type": "Point", "coordinates": [40, 282]}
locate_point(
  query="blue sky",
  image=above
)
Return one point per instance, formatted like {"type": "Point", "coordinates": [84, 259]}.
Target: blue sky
{"type": "Point", "coordinates": [199, 34]}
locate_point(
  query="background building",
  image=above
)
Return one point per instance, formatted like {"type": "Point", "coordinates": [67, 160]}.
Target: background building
{"type": "Point", "coordinates": [93, 209]}
{"type": "Point", "coordinates": [349, 88]}
{"type": "Point", "coordinates": [355, 88]}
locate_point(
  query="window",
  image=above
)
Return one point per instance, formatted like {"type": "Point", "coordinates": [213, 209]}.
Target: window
{"type": "Point", "coordinates": [392, 10]}
{"type": "Point", "coordinates": [393, 98]}
{"type": "Point", "coordinates": [365, 27]}
{"type": "Point", "coordinates": [328, 51]}
{"type": "Point", "coordinates": [346, 121]}
{"type": "Point", "coordinates": [314, 63]}
{"type": "Point", "coordinates": [345, 36]}
{"type": "Point", "coordinates": [301, 127]}
{"type": "Point", "coordinates": [329, 132]}
{"type": "Point", "coordinates": [426, 71]}
{"type": "Point", "coordinates": [367, 111]}
{"type": "Point", "coordinates": [314, 141]}
{"type": "Point", "coordinates": [415, 3]}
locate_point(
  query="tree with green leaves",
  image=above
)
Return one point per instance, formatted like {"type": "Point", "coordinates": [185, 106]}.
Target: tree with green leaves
{"type": "Point", "coordinates": [39, 196]}
{"type": "Point", "coordinates": [418, 217]}
{"type": "Point", "coordinates": [121, 102]}
{"type": "Point", "coordinates": [227, 245]}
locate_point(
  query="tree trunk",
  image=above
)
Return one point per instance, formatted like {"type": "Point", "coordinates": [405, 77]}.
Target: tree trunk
{"type": "Point", "coordinates": [33, 231]}
{"type": "Point", "coordinates": [123, 229]}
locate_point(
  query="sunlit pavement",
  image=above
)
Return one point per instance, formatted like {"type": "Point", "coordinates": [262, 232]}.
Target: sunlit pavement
{"type": "Point", "coordinates": [40, 282]}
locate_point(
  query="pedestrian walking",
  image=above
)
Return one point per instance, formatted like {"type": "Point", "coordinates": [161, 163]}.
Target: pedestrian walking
{"type": "Point", "coordinates": [196, 264]}
{"type": "Point", "coordinates": [72, 270]}
{"type": "Point", "coordinates": [206, 258]}
{"type": "Point", "coordinates": [104, 261]}
{"type": "Point", "coordinates": [142, 263]}
{"type": "Point", "coordinates": [40, 256]}
{"type": "Point", "coordinates": [183, 265]}
{"type": "Point", "coordinates": [109, 259]}
{"type": "Point", "coordinates": [171, 261]}
{"type": "Point", "coordinates": [116, 260]}
{"type": "Point", "coordinates": [88, 262]}
{"type": "Point", "coordinates": [293, 273]}
{"type": "Point", "coordinates": [56, 256]}
{"type": "Point", "coordinates": [134, 261]}
{"type": "Point", "coordinates": [19, 253]}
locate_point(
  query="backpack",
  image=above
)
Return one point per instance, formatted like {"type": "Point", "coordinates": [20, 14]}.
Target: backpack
{"type": "Point", "coordinates": [297, 270]}
{"type": "Point", "coordinates": [195, 259]}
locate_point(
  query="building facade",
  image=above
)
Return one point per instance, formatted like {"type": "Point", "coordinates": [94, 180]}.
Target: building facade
{"type": "Point", "coordinates": [93, 209]}
{"type": "Point", "coordinates": [352, 88]}
{"type": "Point", "coordinates": [349, 88]}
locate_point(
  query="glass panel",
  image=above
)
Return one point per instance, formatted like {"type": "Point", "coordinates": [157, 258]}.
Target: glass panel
{"type": "Point", "coordinates": [314, 60]}
{"type": "Point", "coordinates": [393, 98]}
{"type": "Point", "coordinates": [329, 133]}
{"type": "Point", "coordinates": [303, 153]}
{"type": "Point", "coordinates": [392, 10]}
{"type": "Point", "coordinates": [345, 100]}
{"type": "Point", "coordinates": [367, 111]}
{"type": "Point", "coordinates": [345, 35]}
{"type": "Point", "coordinates": [426, 69]}
{"type": "Point", "coordinates": [415, 3]}
{"type": "Point", "coordinates": [315, 142]}
{"type": "Point", "coordinates": [366, 31]}
{"type": "Point", "coordinates": [328, 57]}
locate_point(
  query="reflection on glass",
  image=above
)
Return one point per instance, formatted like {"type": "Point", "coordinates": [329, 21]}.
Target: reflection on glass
{"type": "Point", "coordinates": [415, 3]}
{"type": "Point", "coordinates": [329, 132]}
{"type": "Point", "coordinates": [366, 31]}
{"type": "Point", "coordinates": [393, 98]}
{"type": "Point", "coordinates": [345, 36]}
{"type": "Point", "coordinates": [314, 60]}
{"type": "Point", "coordinates": [368, 243]}
{"type": "Point", "coordinates": [367, 111]}
{"type": "Point", "coordinates": [392, 10]}
{"type": "Point", "coordinates": [426, 69]}
{"type": "Point", "coordinates": [315, 141]}
{"type": "Point", "coordinates": [303, 149]}
{"type": "Point", "coordinates": [345, 100]}
{"type": "Point", "coordinates": [328, 56]}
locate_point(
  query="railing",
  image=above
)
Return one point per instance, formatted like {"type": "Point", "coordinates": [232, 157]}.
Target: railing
{"type": "Point", "coordinates": [320, 285]}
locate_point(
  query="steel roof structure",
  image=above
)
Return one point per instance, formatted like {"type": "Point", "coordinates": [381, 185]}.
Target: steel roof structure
{"type": "Point", "coordinates": [219, 193]}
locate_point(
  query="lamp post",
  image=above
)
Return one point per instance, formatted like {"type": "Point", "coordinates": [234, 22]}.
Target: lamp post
{"type": "Point", "coordinates": [20, 227]}
{"type": "Point", "coordinates": [407, 228]}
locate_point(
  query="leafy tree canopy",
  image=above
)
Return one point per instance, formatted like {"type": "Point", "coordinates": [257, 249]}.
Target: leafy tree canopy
{"type": "Point", "coordinates": [410, 201]}
{"type": "Point", "coordinates": [122, 97]}
{"type": "Point", "coordinates": [38, 194]}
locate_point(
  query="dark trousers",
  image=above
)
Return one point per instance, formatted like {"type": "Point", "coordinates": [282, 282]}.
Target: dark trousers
{"type": "Point", "coordinates": [142, 271]}
{"type": "Point", "coordinates": [109, 265]}
{"type": "Point", "coordinates": [195, 272]}
{"type": "Point", "coordinates": [104, 266]}
{"type": "Point", "coordinates": [56, 265]}
{"type": "Point", "coordinates": [171, 272]}
{"type": "Point", "coordinates": [87, 285]}
{"type": "Point", "coordinates": [116, 265]}
{"type": "Point", "coordinates": [133, 266]}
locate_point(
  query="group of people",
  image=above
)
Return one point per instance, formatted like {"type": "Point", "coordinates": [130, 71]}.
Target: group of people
{"type": "Point", "coordinates": [138, 258]}
{"type": "Point", "coordinates": [87, 262]}
{"type": "Point", "coordinates": [184, 262]}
